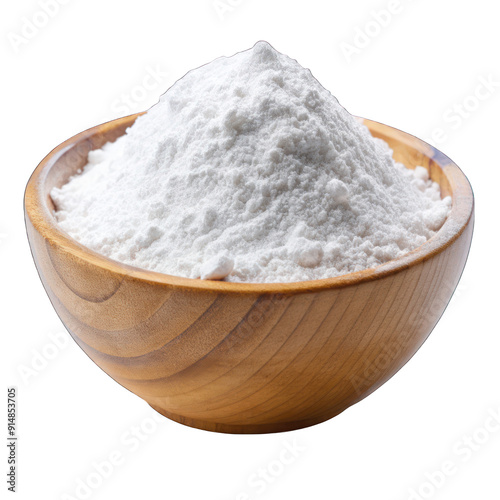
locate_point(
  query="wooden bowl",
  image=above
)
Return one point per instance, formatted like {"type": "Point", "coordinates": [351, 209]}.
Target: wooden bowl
{"type": "Point", "coordinates": [248, 358]}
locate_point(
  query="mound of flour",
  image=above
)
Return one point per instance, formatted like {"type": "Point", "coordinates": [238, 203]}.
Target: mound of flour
{"type": "Point", "coordinates": [247, 169]}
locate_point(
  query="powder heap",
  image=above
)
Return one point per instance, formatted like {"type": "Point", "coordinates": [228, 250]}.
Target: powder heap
{"type": "Point", "coordinates": [248, 170]}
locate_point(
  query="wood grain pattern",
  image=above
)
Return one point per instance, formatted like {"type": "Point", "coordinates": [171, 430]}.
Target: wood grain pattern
{"type": "Point", "coordinates": [248, 358]}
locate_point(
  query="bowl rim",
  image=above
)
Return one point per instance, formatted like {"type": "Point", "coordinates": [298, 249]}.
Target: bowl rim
{"type": "Point", "coordinates": [40, 216]}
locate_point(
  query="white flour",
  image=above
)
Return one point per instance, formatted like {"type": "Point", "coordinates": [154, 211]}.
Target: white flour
{"type": "Point", "coordinates": [248, 169]}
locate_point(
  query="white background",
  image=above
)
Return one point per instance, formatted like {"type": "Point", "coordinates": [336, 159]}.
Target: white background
{"type": "Point", "coordinates": [412, 74]}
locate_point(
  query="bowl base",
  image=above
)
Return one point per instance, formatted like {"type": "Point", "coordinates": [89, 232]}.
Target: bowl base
{"type": "Point", "coordinates": [241, 428]}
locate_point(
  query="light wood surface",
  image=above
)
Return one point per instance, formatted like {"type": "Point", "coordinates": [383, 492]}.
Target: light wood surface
{"type": "Point", "coordinates": [247, 358]}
